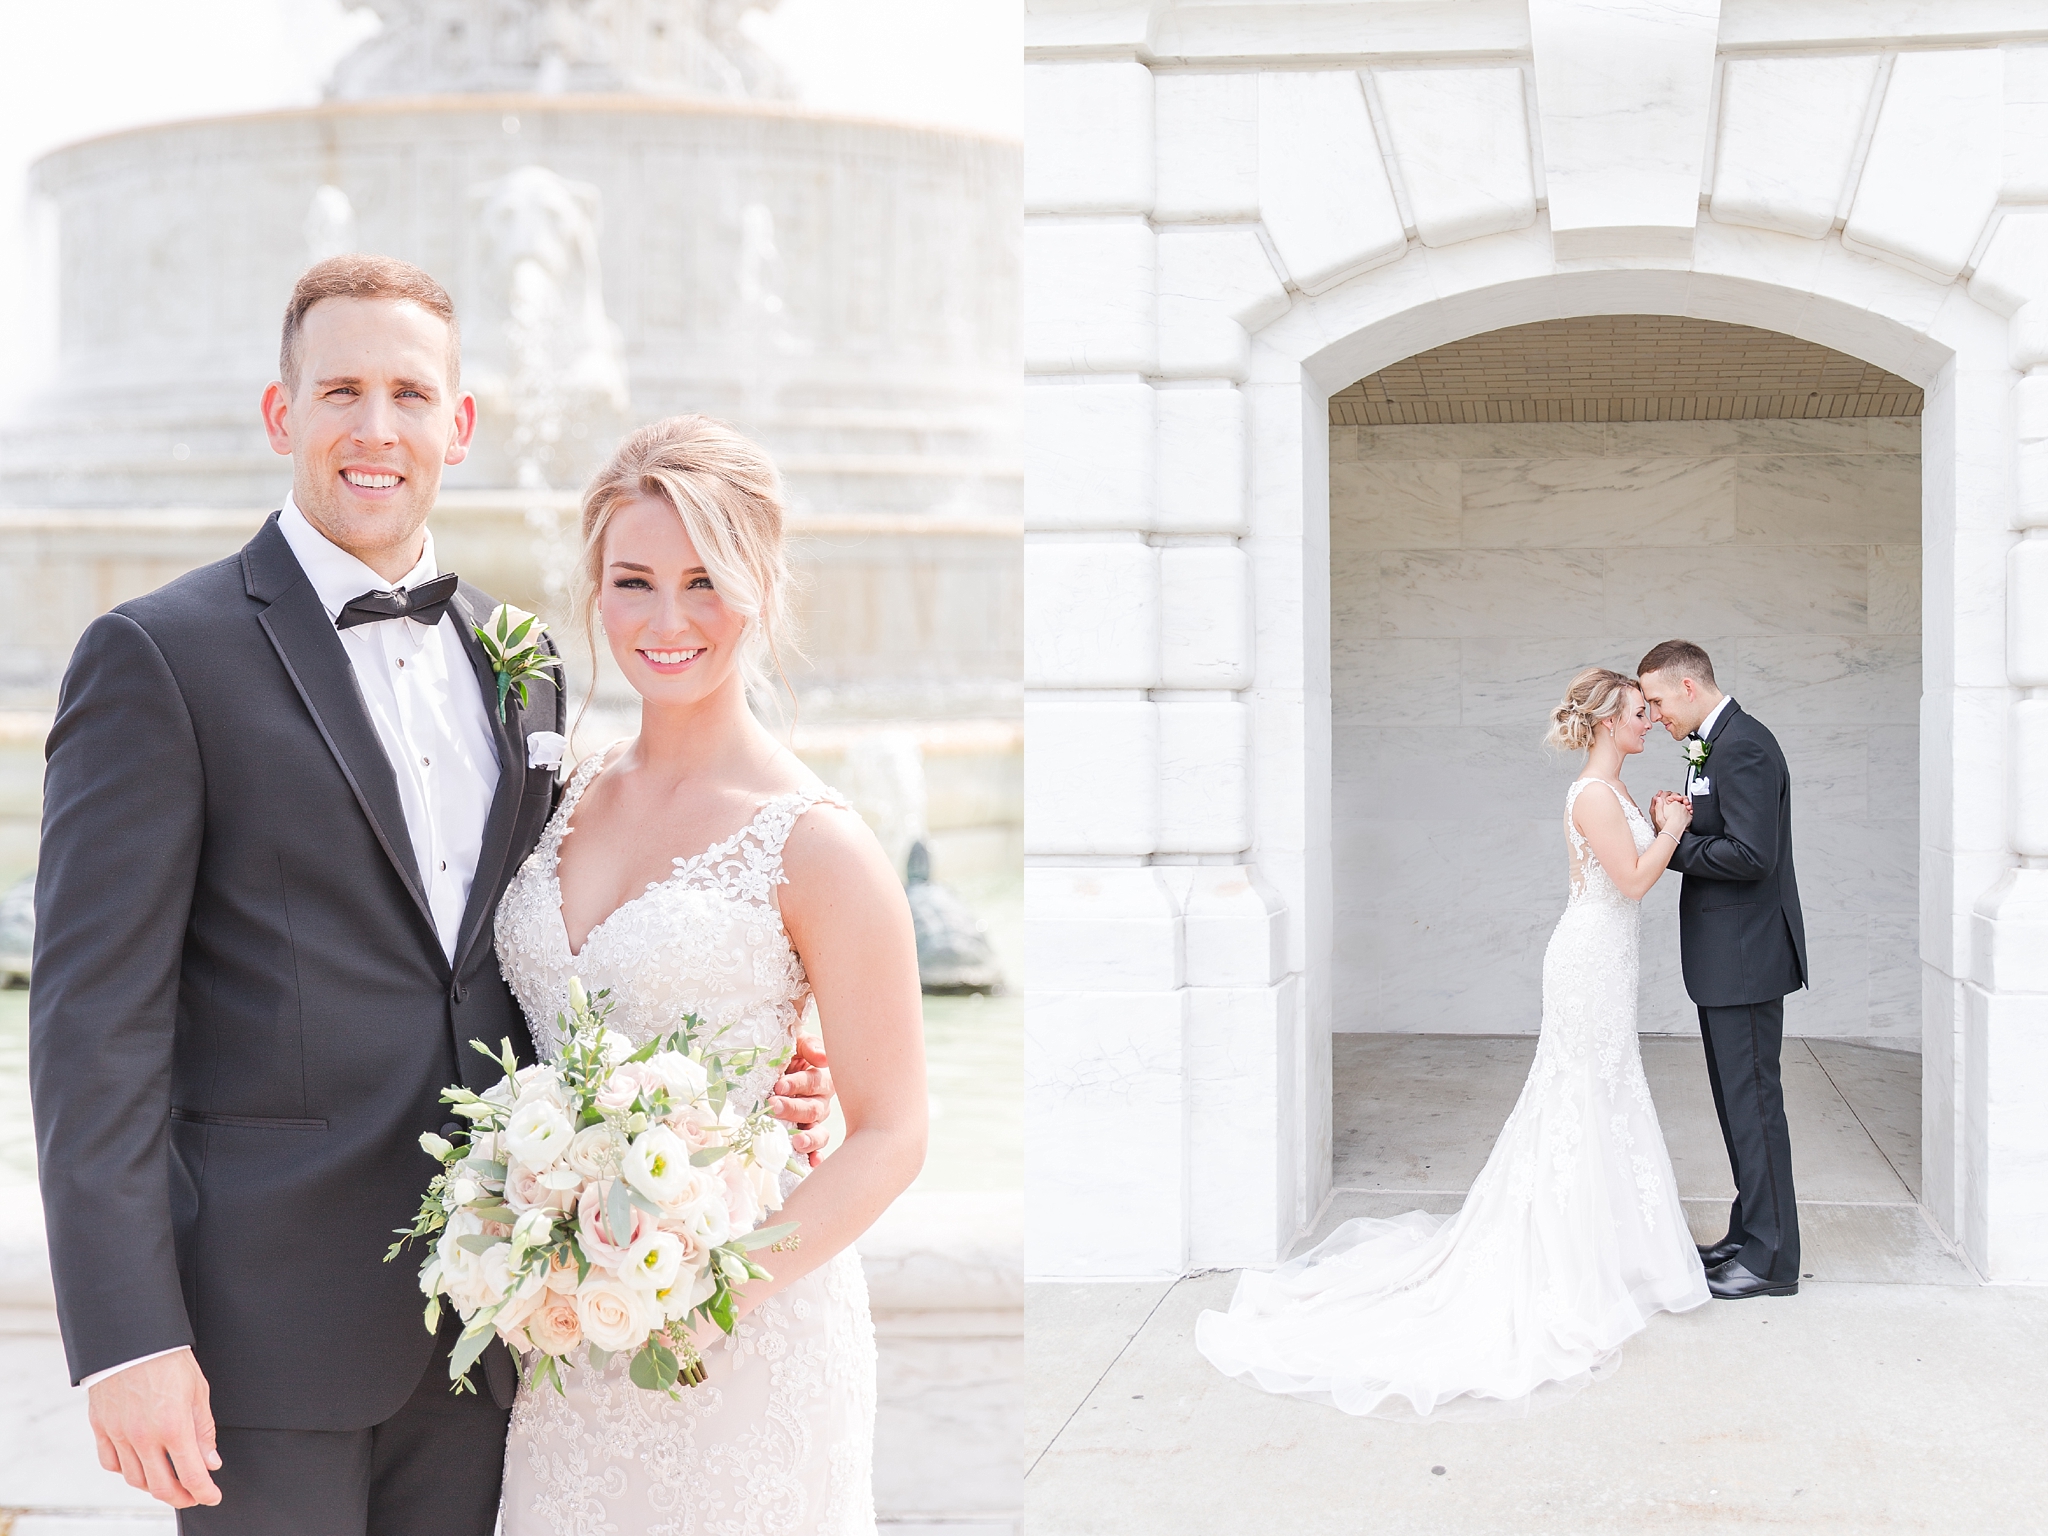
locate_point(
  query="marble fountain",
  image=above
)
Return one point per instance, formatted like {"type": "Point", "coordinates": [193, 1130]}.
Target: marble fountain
{"type": "Point", "coordinates": [634, 218]}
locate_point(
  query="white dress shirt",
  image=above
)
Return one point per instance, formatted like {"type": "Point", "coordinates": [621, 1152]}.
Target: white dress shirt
{"type": "Point", "coordinates": [1693, 775]}
{"type": "Point", "coordinates": [429, 711]}
{"type": "Point", "coordinates": [428, 708]}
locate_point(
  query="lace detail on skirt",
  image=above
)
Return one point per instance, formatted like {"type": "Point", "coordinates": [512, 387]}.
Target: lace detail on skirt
{"type": "Point", "coordinates": [1570, 1239]}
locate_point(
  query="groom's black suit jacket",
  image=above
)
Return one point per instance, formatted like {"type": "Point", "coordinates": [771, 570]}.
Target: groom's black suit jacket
{"type": "Point", "coordinates": [1741, 936]}
{"type": "Point", "coordinates": [242, 1017]}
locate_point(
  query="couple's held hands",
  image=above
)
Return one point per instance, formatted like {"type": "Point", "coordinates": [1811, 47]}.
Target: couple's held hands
{"type": "Point", "coordinates": [802, 1097]}
{"type": "Point", "coordinates": [1671, 812]}
{"type": "Point", "coordinates": [153, 1423]}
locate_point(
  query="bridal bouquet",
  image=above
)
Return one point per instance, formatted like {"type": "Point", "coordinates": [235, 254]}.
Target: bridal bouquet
{"type": "Point", "coordinates": [601, 1199]}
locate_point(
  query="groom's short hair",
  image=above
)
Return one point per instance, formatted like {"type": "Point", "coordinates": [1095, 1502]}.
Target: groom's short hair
{"type": "Point", "coordinates": [364, 277]}
{"type": "Point", "coordinates": [1680, 656]}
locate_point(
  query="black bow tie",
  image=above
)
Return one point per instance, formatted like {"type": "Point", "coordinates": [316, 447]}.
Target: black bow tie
{"type": "Point", "coordinates": [1692, 735]}
{"type": "Point", "coordinates": [426, 603]}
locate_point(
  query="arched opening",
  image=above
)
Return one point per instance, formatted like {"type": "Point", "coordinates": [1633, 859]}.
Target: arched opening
{"type": "Point", "coordinates": [1507, 508]}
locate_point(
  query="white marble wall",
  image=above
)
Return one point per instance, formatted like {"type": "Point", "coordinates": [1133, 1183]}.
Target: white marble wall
{"type": "Point", "coordinates": [1210, 249]}
{"type": "Point", "coordinates": [1474, 569]}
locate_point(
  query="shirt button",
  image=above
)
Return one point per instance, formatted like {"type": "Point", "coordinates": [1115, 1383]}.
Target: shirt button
{"type": "Point", "coordinates": [426, 762]}
{"type": "Point", "coordinates": [401, 663]}
{"type": "Point", "coordinates": [444, 866]}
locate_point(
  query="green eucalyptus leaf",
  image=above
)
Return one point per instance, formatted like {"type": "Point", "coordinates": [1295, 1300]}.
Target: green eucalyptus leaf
{"type": "Point", "coordinates": [646, 1371]}
{"type": "Point", "coordinates": [467, 1348]}
{"type": "Point", "coordinates": [619, 1212]}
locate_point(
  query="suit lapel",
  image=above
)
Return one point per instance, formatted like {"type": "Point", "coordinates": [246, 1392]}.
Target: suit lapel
{"type": "Point", "coordinates": [310, 648]}
{"type": "Point", "coordinates": [469, 609]}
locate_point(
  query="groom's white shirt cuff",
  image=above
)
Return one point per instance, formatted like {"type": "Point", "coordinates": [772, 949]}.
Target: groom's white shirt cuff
{"type": "Point", "coordinates": [114, 1370]}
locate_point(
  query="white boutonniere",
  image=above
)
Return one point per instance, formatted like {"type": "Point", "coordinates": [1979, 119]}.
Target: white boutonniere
{"type": "Point", "coordinates": [1696, 753]}
{"type": "Point", "coordinates": [511, 640]}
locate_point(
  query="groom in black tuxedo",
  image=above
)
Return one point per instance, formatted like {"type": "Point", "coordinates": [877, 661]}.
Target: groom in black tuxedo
{"type": "Point", "coordinates": [1742, 944]}
{"type": "Point", "coordinates": [279, 812]}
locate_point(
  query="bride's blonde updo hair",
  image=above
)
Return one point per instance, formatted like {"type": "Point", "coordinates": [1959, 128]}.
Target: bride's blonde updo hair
{"type": "Point", "coordinates": [729, 496]}
{"type": "Point", "coordinates": [1596, 694]}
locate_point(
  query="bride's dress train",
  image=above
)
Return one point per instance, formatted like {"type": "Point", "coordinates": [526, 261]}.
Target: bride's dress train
{"type": "Point", "coordinates": [780, 1436]}
{"type": "Point", "coordinates": [1571, 1238]}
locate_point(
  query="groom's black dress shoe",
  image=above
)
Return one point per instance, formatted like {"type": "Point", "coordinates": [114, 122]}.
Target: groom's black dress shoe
{"type": "Point", "coordinates": [1720, 1253]}
{"type": "Point", "coordinates": [1731, 1282]}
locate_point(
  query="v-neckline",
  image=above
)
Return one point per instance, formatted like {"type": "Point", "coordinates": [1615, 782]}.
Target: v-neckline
{"type": "Point", "coordinates": [677, 866]}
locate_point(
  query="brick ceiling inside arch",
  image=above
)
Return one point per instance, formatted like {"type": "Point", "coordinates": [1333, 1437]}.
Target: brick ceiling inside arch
{"type": "Point", "coordinates": [1624, 368]}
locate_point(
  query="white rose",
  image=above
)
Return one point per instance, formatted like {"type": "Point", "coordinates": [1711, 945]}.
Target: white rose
{"type": "Point", "coordinates": [658, 1165]}
{"type": "Point", "coordinates": [460, 1192]}
{"type": "Point", "coordinates": [614, 1315]}
{"type": "Point", "coordinates": [710, 1221]}
{"type": "Point", "coordinates": [595, 1151]}
{"type": "Point", "coordinates": [538, 1134]}
{"type": "Point", "coordinates": [772, 1148]}
{"type": "Point", "coordinates": [653, 1262]}
{"type": "Point", "coordinates": [613, 1048]}
{"type": "Point", "coordinates": [541, 1082]}
{"type": "Point", "coordinates": [501, 1093]}
{"type": "Point", "coordinates": [461, 1271]}
{"type": "Point", "coordinates": [494, 1273]}
{"type": "Point", "coordinates": [685, 1079]}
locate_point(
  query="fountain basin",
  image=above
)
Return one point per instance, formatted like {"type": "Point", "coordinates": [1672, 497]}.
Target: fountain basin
{"type": "Point", "coordinates": [843, 289]}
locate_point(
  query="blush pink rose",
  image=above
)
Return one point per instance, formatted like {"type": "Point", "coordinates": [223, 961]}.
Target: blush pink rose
{"type": "Point", "coordinates": [625, 1084]}
{"type": "Point", "coordinates": [525, 1192]}
{"type": "Point", "coordinates": [518, 1307]}
{"type": "Point", "coordinates": [600, 1244]}
{"type": "Point", "coordinates": [741, 1203]}
{"type": "Point", "coordinates": [554, 1328]}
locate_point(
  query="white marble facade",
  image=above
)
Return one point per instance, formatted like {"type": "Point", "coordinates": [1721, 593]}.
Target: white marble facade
{"type": "Point", "coordinates": [1233, 211]}
{"type": "Point", "coordinates": [1474, 568]}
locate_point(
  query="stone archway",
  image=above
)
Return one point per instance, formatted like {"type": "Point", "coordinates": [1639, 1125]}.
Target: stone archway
{"type": "Point", "coordinates": [1970, 765]}
{"type": "Point", "coordinates": [1516, 505]}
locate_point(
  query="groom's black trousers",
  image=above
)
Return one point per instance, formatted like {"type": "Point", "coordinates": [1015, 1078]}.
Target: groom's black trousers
{"type": "Point", "coordinates": [431, 1469]}
{"type": "Point", "coordinates": [1743, 1044]}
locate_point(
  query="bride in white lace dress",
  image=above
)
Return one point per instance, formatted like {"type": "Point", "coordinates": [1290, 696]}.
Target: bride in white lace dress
{"type": "Point", "coordinates": [1572, 1236]}
{"type": "Point", "coordinates": [699, 867]}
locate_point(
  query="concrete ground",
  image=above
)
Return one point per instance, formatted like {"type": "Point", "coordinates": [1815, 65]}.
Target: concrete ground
{"type": "Point", "coordinates": [1896, 1393]}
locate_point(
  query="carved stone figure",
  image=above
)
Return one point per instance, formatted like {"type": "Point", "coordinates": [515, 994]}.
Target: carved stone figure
{"type": "Point", "coordinates": [649, 47]}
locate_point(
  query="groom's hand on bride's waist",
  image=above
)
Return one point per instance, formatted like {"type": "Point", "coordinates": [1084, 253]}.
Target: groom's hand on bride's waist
{"type": "Point", "coordinates": [802, 1097]}
{"type": "Point", "coordinates": [153, 1423]}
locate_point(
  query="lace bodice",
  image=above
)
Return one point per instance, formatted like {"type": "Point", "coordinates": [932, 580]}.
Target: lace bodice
{"type": "Point", "coordinates": [1589, 878]}
{"type": "Point", "coordinates": [781, 1436]}
{"type": "Point", "coordinates": [707, 940]}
